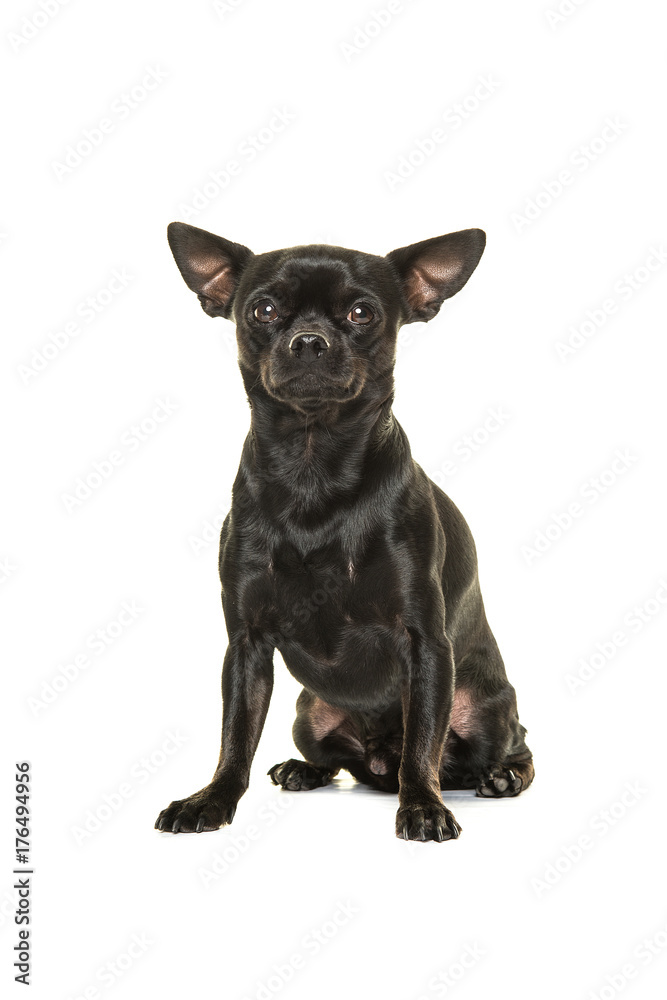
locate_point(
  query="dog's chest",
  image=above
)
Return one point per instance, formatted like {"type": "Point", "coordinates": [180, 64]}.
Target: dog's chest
{"type": "Point", "coordinates": [330, 589]}
{"type": "Point", "coordinates": [337, 623]}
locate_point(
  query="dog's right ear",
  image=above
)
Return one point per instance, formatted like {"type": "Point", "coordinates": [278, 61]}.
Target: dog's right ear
{"type": "Point", "coordinates": [210, 265]}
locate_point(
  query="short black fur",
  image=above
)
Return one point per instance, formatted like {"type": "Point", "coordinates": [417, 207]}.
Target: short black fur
{"type": "Point", "coordinates": [339, 551]}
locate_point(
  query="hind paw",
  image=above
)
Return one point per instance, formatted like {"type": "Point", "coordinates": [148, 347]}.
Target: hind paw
{"type": "Point", "coordinates": [499, 783]}
{"type": "Point", "coordinates": [299, 776]}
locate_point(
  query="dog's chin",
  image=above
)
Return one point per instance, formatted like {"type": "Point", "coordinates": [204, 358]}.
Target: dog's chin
{"type": "Point", "coordinates": [310, 389]}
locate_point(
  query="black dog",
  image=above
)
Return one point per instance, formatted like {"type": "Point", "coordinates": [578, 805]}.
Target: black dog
{"type": "Point", "coordinates": [339, 551]}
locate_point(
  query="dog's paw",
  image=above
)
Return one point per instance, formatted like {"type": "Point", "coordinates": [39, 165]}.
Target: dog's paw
{"type": "Point", "coordinates": [299, 776]}
{"type": "Point", "coordinates": [499, 782]}
{"type": "Point", "coordinates": [206, 810]}
{"type": "Point", "coordinates": [426, 821]}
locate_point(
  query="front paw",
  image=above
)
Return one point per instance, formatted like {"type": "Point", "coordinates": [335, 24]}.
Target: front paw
{"type": "Point", "coordinates": [426, 821]}
{"type": "Point", "coordinates": [207, 809]}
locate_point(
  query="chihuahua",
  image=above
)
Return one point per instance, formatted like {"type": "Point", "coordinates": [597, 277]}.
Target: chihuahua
{"type": "Point", "coordinates": [339, 551]}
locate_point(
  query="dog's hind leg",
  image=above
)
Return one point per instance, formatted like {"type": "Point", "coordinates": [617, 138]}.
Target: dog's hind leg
{"type": "Point", "coordinates": [329, 741]}
{"type": "Point", "coordinates": [486, 748]}
{"type": "Point", "coordinates": [508, 768]}
{"type": "Point", "coordinates": [514, 775]}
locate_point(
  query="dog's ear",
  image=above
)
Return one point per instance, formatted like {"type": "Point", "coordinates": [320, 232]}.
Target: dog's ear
{"type": "Point", "coordinates": [436, 269]}
{"type": "Point", "coordinates": [210, 265]}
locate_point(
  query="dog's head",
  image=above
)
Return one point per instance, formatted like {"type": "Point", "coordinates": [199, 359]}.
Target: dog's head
{"type": "Point", "coordinates": [317, 324]}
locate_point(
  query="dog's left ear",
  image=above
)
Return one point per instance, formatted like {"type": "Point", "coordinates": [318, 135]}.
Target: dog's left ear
{"type": "Point", "coordinates": [436, 269]}
{"type": "Point", "coordinates": [210, 265]}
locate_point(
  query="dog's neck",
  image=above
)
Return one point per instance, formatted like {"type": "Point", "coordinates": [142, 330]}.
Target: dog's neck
{"type": "Point", "coordinates": [309, 466]}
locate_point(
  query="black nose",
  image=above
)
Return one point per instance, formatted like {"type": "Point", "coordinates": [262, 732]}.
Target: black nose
{"type": "Point", "coordinates": [308, 346]}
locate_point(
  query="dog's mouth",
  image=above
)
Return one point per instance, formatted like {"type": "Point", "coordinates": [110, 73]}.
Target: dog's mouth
{"type": "Point", "coordinates": [314, 386]}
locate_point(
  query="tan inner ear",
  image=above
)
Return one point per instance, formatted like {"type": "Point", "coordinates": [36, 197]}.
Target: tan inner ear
{"type": "Point", "coordinates": [219, 286]}
{"type": "Point", "coordinates": [205, 263]}
{"type": "Point", "coordinates": [425, 283]}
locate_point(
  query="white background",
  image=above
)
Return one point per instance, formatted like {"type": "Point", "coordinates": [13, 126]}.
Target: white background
{"type": "Point", "coordinates": [548, 895]}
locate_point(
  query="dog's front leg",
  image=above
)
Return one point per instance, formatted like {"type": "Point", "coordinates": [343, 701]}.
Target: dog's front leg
{"type": "Point", "coordinates": [427, 695]}
{"type": "Point", "coordinates": [247, 682]}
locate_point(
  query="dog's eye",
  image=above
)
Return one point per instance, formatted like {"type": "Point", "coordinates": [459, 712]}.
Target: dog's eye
{"type": "Point", "coordinates": [266, 312]}
{"type": "Point", "coordinates": [360, 314]}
